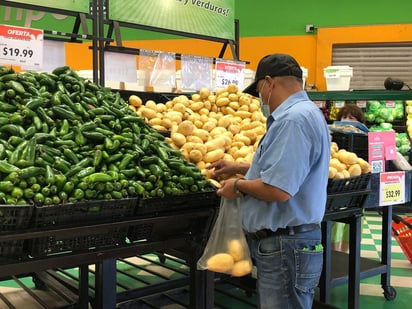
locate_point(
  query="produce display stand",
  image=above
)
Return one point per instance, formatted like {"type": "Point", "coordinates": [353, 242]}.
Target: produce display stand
{"type": "Point", "coordinates": [183, 230]}
{"type": "Point", "coordinates": [358, 268]}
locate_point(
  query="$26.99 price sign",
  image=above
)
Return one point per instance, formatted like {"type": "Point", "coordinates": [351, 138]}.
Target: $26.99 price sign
{"type": "Point", "coordinates": [21, 46]}
{"type": "Point", "coordinates": [392, 188]}
{"type": "Point", "coordinates": [229, 72]}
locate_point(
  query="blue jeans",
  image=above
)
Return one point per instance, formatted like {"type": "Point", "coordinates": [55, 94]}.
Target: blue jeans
{"type": "Point", "coordinates": [288, 269]}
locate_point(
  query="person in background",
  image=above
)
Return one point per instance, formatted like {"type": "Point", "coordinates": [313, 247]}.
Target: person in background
{"type": "Point", "coordinates": [340, 231]}
{"type": "Point", "coordinates": [351, 112]}
{"type": "Point", "coordinates": [283, 192]}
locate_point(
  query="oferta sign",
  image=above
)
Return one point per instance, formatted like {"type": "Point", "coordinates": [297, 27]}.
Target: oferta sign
{"type": "Point", "coordinates": [214, 18]}
{"type": "Point", "coordinates": [81, 6]}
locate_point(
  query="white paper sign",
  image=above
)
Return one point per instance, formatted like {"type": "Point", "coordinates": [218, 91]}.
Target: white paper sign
{"type": "Point", "coordinates": [392, 188]}
{"type": "Point", "coordinates": [54, 58]}
{"type": "Point", "coordinates": [120, 67]}
{"type": "Point", "coordinates": [21, 46]}
{"type": "Point", "coordinates": [229, 72]}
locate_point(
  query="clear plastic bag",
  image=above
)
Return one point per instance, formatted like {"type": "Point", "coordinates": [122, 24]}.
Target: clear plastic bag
{"type": "Point", "coordinates": [157, 70]}
{"type": "Point", "coordinates": [227, 250]}
{"type": "Point", "coordinates": [196, 73]}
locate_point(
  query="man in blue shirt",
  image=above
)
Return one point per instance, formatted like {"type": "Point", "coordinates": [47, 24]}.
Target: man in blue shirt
{"type": "Point", "coordinates": [283, 192]}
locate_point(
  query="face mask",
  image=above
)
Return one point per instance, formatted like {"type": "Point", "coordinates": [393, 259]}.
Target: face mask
{"type": "Point", "coordinates": [265, 109]}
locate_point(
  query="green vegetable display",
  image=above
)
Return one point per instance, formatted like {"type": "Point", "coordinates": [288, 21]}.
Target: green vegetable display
{"type": "Point", "coordinates": [379, 112]}
{"type": "Point", "coordinates": [64, 139]}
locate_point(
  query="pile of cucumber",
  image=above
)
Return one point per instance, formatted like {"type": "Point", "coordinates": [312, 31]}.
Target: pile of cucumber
{"type": "Point", "coordinates": [65, 139]}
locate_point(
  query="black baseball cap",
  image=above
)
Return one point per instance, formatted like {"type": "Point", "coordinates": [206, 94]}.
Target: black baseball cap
{"type": "Point", "coordinates": [274, 65]}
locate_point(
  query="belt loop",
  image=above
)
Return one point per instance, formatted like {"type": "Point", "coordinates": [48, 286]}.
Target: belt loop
{"type": "Point", "coordinates": [291, 230]}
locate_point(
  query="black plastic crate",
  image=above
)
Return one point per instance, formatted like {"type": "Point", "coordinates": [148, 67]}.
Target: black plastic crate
{"type": "Point", "coordinates": [84, 212]}
{"type": "Point", "coordinates": [13, 218]}
{"type": "Point", "coordinates": [178, 202]}
{"type": "Point", "coordinates": [95, 238]}
{"type": "Point", "coordinates": [341, 201]}
{"type": "Point", "coordinates": [353, 142]}
{"type": "Point", "coordinates": [351, 184]}
{"type": "Point", "coordinates": [194, 224]}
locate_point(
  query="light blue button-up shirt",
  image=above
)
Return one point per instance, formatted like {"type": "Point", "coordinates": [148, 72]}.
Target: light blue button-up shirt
{"type": "Point", "coordinates": [293, 156]}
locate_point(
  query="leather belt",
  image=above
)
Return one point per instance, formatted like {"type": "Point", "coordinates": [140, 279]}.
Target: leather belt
{"type": "Point", "coordinates": [290, 230]}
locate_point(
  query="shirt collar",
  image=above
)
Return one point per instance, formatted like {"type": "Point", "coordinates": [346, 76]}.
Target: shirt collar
{"type": "Point", "coordinates": [285, 105]}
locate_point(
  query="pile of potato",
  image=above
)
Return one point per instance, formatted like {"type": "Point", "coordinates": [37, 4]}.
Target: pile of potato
{"type": "Point", "coordinates": [208, 126]}
{"type": "Point", "coordinates": [345, 164]}
{"type": "Point", "coordinates": [226, 125]}
{"type": "Point", "coordinates": [232, 262]}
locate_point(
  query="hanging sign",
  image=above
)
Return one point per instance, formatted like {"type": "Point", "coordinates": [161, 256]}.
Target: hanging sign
{"type": "Point", "coordinates": [392, 188]}
{"type": "Point", "coordinates": [382, 147]}
{"type": "Point", "coordinates": [69, 5]}
{"type": "Point", "coordinates": [212, 18]}
{"type": "Point", "coordinates": [229, 72]}
{"type": "Point", "coordinates": [21, 46]}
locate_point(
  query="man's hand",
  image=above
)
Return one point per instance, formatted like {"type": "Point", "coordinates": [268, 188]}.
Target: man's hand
{"type": "Point", "coordinates": [227, 190]}
{"type": "Point", "coordinates": [228, 168]}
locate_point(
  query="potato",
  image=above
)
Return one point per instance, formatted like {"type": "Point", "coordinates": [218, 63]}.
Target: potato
{"type": "Point", "coordinates": [148, 113]}
{"type": "Point", "coordinates": [196, 97]}
{"type": "Point", "coordinates": [236, 249]}
{"type": "Point", "coordinates": [178, 139]}
{"type": "Point", "coordinates": [204, 93]}
{"type": "Point", "coordinates": [195, 155]}
{"type": "Point", "coordinates": [334, 162]}
{"type": "Point", "coordinates": [241, 268]}
{"type": "Point", "coordinates": [209, 125]}
{"type": "Point", "coordinates": [332, 172]}
{"type": "Point", "coordinates": [186, 128]}
{"type": "Point", "coordinates": [216, 143]}
{"type": "Point", "coordinates": [179, 107]}
{"type": "Point", "coordinates": [151, 104]}
{"type": "Point", "coordinates": [194, 139]}
{"type": "Point", "coordinates": [365, 166]}
{"type": "Point", "coordinates": [345, 174]}
{"type": "Point", "coordinates": [214, 155]}
{"type": "Point", "coordinates": [355, 170]}
{"type": "Point", "coordinates": [232, 88]}
{"type": "Point", "coordinates": [347, 157]}
{"type": "Point", "coordinates": [135, 101]}
{"type": "Point", "coordinates": [220, 263]}
{"type": "Point", "coordinates": [339, 175]}
{"type": "Point", "coordinates": [203, 134]}
{"type": "Point", "coordinates": [222, 101]}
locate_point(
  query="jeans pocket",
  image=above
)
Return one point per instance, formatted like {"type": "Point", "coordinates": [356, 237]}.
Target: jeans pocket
{"type": "Point", "coordinates": [308, 269]}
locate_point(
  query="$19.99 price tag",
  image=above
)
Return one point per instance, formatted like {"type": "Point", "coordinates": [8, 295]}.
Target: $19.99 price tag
{"type": "Point", "coordinates": [392, 188]}
{"type": "Point", "coordinates": [21, 46]}
{"type": "Point", "coordinates": [229, 72]}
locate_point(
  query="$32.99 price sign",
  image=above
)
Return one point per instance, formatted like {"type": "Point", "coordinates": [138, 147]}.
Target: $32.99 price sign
{"type": "Point", "coordinates": [392, 188]}
{"type": "Point", "coordinates": [229, 72]}
{"type": "Point", "coordinates": [21, 46]}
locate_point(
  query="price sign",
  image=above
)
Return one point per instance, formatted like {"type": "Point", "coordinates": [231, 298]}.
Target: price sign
{"type": "Point", "coordinates": [229, 72]}
{"type": "Point", "coordinates": [21, 46]}
{"type": "Point", "coordinates": [392, 188]}
{"type": "Point", "coordinates": [338, 104]}
{"type": "Point", "coordinates": [361, 103]}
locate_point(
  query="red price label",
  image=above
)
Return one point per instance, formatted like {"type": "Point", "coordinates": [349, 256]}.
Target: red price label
{"type": "Point", "coordinates": [229, 72]}
{"type": "Point", "coordinates": [21, 46]}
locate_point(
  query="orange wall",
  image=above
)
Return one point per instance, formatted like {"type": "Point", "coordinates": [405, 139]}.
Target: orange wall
{"type": "Point", "coordinates": [313, 51]}
{"type": "Point", "coordinates": [326, 37]}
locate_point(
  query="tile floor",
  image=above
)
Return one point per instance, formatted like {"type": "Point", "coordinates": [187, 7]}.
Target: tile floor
{"type": "Point", "coordinates": [146, 270]}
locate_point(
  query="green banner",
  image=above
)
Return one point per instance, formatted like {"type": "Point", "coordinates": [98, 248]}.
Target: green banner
{"type": "Point", "coordinates": [81, 6]}
{"type": "Point", "coordinates": [214, 18]}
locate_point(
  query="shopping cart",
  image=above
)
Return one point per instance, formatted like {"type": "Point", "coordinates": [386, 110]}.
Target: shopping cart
{"type": "Point", "coordinates": [402, 232]}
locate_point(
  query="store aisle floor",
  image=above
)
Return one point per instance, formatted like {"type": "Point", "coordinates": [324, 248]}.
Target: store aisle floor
{"type": "Point", "coordinates": [151, 270]}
